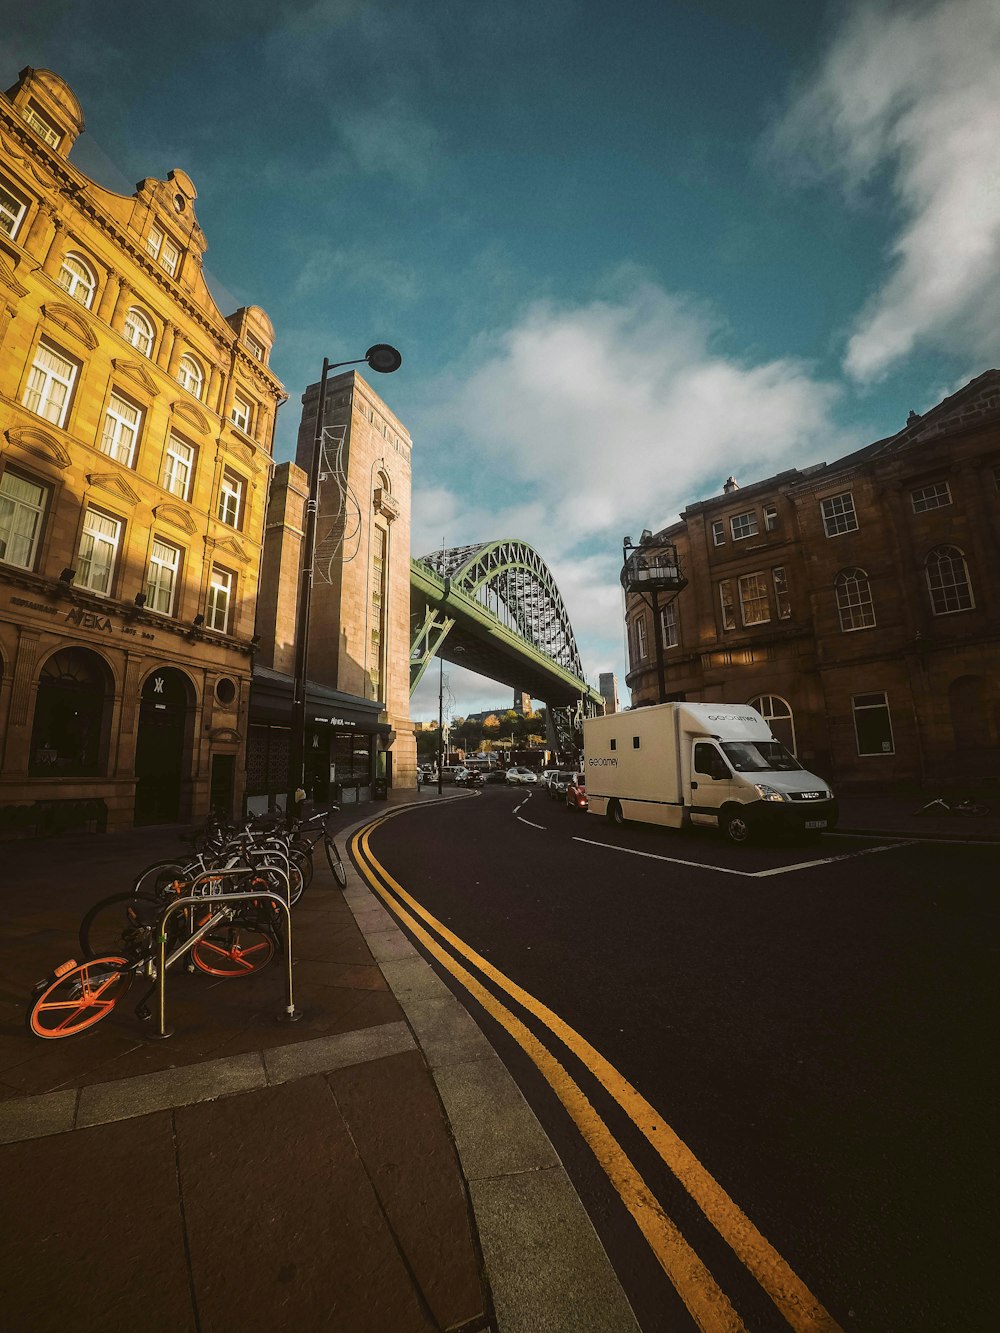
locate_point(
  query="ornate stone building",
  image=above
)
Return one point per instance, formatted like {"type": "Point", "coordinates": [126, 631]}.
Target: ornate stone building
{"type": "Point", "coordinates": [358, 726]}
{"type": "Point", "coordinates": [854, 603]}
{"type": "Point", "coordinates": [136, 428]}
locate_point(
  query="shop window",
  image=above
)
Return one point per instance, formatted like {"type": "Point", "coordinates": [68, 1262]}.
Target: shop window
{"type": "Point", "coordinates": [67, 735]}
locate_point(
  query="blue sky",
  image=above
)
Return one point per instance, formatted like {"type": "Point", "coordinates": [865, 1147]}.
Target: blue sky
{"type": "Point", "coordinates": [625, 250]}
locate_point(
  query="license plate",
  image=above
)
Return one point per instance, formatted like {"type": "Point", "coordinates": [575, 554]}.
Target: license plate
{"type": "Point", "coordinates": [815, 823]}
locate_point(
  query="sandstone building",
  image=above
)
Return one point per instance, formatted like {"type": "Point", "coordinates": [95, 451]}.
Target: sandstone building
{"type": "Point", "coordinates": [855, 603]}
{"type": "Point", "coordinates": [358, 727]}
{"type": "Point", "coordinates": [136, 428]}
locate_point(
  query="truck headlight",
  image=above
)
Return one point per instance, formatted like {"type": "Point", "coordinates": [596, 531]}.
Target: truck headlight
{"type": "Point", "coordinates": [767, 793]}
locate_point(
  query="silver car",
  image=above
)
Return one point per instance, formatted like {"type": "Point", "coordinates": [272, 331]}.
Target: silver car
{"type": "Point", "coordinates": [516, 776]}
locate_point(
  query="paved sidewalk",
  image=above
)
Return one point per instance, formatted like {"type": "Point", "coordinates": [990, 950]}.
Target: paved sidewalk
{"type": "Point", "coordinates": [370, 1168]}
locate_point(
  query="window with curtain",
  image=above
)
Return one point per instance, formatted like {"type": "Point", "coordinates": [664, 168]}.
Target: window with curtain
{"type": "Point", "coordinates": [22, 507]}
{"type": "Point", "coordinates": [139, 332]}
{"type": "Point", "coordinates": [50, 384]}
{"type": "Point", "coordinates": [77, 279]}
{"type": "Point", "coordinates": [121, 429]}
{"type": "Point", "coordinates": [95, 564]}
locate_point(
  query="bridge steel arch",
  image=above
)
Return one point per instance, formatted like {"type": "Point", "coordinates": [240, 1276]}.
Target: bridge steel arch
{"type": "Point", "coordinates": [495, 608]}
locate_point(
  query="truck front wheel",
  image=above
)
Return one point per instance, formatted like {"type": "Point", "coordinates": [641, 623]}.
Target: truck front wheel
{"type": "Point", "coordinates": [735, 825]}
{"type": "Point", "coordinates": [615, 815]}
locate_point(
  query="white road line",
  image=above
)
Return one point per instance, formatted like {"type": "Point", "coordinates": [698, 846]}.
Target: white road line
{"type": "Point", "coordinates": [522, 820]}
{"type": "Point", "coordinates": [745, 874]}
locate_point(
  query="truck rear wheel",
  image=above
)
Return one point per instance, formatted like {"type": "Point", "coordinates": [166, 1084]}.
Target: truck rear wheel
{"type": "Point", "coordinates": [615, 815]}
{"type": "Point", "coordinates": [735, 825]}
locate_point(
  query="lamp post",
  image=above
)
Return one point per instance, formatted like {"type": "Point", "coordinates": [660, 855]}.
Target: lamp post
{"type": "Point", "coordinates": [384, 359]}
{"type": "Point", "coordinates": [649, 569]}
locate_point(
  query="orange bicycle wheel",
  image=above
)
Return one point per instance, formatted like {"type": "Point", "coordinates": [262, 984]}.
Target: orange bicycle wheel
{"type": "Point", "coordinates": [78, 996]}
{"type": "Point", "coordinates": [233, 950]}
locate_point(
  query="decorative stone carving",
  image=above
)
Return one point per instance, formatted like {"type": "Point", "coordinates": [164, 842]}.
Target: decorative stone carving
{"type": "Point", "coordinates": [113, 482]}
{"type": "Point", "coordinates": [132, 370]}
{"type": "Point", "coordinates": [176, 515]}
{"type": "Point", "coordinates": [189, 413]}
{"type": "Point", "coordinates": [229, 546]}
{"type": "Point", "coordinates": [40, 443]}
{"type": "Point", "coordinates": [70, 322]}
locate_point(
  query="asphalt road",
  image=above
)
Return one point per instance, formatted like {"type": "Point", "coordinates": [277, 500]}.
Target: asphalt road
{"type": "Point", "coordinates": [802, 1035]}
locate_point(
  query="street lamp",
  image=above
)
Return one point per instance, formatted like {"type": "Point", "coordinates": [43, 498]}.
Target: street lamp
{"type": "Point", "coordinates": [384, 359]}
{"type": "Point", "coordinates": [649, 570]}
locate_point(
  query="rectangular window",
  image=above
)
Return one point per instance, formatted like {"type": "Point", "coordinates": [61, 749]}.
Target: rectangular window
{"type": "Point", "coordinates": [231, 499]}
{"type": "Point", "coordinates": [726, 602]}
{"type": "Point", "coordinates": [161, 580]}
{"type": "Point", "coordinates": [743, 525]}
{"type": "Point", "coordinates": [668, 626]}
{"type": "Point", "coordinates": [640, 639]}
{"type": "Point", "coordinates": [781, 599]}
{"type": "Point", "coordinates": [220, 599]}
{"type": "Point", "coordinates": [754, 607]}
{"type": "Point", "coordinates": [154, 242]}
{"type": "Point", "coordinates": [50, 385]}
{"type": "Point", "coordinates": [935, 496]}
{"type": "Point", "coordinates": [170, 257]}
{"type": "Point", "coordinates": [256, 348]}
{"type": "Point", "coordinates": [178, 467]}
{"type": "Point", "coordinates": [121, 430]}
{"type": "Point", "coordinates": [838, 514]}
{"type": "Point", "coordinates": [872, 724]}
{"type": "Point", "coordinates": [42, 127]}
{"type": "Point", "coordinates": [770, 517]}
{"type": "Point", "coordinates": [718, 533]}
{"type": "Point", "coordinates": [95, 565]}
{"type": "Point", "coordinates": [12, 212]}
{"type": "Point", "coordinates": [22, 506]}
{"type": "Point", "coordinates": [241, 414]}
{"type": "Point", "coordinates": [379, 581]}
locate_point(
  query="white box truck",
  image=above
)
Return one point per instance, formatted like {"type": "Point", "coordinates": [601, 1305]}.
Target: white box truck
{"type": "Point", "coordinates": [716, 765]}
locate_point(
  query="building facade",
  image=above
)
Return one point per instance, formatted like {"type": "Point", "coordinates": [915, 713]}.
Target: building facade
{"type": "Point", "coordinates": [608, 686]}
{"type": "Point", "coordinates": [855, 604]}
{"type": "Point", "coordinates": [136, 428]}
{"type": "Point", "coordinates": [358, 728]}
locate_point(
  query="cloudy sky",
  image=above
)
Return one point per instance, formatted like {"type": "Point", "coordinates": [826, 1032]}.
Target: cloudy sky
{"type": "Point", "coordinates": [625, 251]}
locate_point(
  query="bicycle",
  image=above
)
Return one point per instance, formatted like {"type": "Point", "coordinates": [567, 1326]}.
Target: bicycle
{"type": "Point", "coordinates": [965, 806]}
{"type": "Point", "coordinates": [229, 940]}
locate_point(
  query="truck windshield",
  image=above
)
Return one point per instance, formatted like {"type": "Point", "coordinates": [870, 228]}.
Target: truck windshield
{"type": "Point", "coordinates": [759, 757]}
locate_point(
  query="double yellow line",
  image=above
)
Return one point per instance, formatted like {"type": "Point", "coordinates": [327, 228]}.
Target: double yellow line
{"type": "Point", "coordinates": [707, 1303]}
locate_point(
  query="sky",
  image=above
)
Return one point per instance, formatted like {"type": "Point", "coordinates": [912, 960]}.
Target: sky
{"type": "Point", "coordinates": [625, 251]}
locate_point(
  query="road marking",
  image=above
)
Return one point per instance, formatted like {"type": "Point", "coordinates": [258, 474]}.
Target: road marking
{"type": "Point", "coordinates": [800, 1309]}
{"type": "Point", "coordinates": [522, 820]}
{"type": "Point", "coordinates": [747, 874]}
{"type": "Point", "coordinates": [707, 1303]}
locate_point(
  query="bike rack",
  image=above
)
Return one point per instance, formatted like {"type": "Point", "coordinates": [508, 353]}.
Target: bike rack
{"type": "Point", "coordinates": [289, 1014]}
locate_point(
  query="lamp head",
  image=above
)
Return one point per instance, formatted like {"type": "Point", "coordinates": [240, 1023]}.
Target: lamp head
{"type": "Point", "coordinates": [383, 358]}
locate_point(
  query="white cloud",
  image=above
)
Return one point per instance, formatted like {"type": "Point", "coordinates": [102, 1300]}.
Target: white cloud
{"type": "Point", "coordinates": [913, 91]}
{"type": "Point", "coordinates": [580, 424]}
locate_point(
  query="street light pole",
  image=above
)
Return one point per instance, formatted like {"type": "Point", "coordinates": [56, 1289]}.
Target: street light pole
{"type": "Point", "coordinates": [385, 360]}
{"type": "Point", "coordinates": [440, 721]}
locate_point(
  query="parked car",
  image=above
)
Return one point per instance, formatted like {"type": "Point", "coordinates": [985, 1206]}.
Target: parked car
{"type": "Point", "coordinates": [576, 792]}
{"type": "Point", "coordinates": [558, 783]}
{"type": "Point", "coordinates": [468, 777]}
{"type": "Point", "coordinates": [517, 776]}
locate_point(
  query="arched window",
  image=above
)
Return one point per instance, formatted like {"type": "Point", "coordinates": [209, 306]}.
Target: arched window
{"type": "Point", "coordinates": [190, 375]}
{"type": "Point", "coordinates": [854, 600]}
{"type": "Point", "coordinates": [139, 331]}
{"type": "Point", "coordinates": [77, 279]}
{"type": "Point", "coordinates": [948, 581]}
{"type": "Point", "coordinates": [68, 735]}
{"type": "Point", "coordinates": [777, 713]}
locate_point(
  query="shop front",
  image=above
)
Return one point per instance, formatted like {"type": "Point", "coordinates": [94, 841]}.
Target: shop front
{"type": "Point", "coordinates": [346, 745]}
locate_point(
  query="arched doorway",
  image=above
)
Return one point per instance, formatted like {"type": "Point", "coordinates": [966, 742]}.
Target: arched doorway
{"type": "Point", "coordinates": [69, 731]}
{"type": "Point", "coordinates": [778, 716]}
{"type": "Point", "coordinates": [160, 747]}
